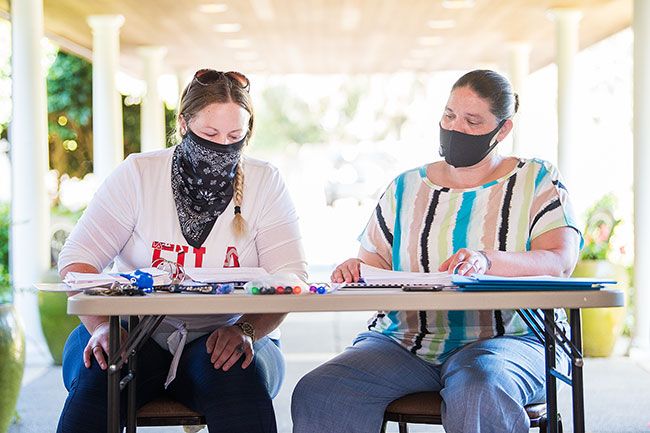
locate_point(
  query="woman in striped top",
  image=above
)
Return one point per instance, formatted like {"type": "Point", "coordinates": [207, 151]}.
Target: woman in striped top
{"type": "Point", "coordinates": [474, 212]}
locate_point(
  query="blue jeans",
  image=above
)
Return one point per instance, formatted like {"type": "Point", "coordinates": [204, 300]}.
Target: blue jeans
{"type": "Point", "coordinates": [484, 386]}
{"type": "Point", "coordinates": [237, 400]}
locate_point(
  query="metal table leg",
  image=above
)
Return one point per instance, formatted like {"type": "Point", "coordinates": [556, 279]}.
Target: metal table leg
{"type": "Point", "coordinates": [553, 337]}
{"type": "Point", "coordinates": [576, 368]}
{"type": "Point", "coordinates": [139, 333]}
{"type": "Point", "coordinates": [114, 378]}
{"type": "Point", "coordinates": [138, 336]}
{"type": "Point", "coordinates": [551, 388]}
{"type": "Point", "coordinates": [131, 394]}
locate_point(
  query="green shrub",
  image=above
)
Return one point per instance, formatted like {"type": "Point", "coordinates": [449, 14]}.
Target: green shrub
{"type": "Point", "coordinates": [599, 229]}
{"type": "Point", "coordinates": [5, 283]}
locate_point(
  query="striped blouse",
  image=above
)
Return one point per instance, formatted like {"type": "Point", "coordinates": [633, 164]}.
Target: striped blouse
{"type": "Point", "coordinates": [417, 225]}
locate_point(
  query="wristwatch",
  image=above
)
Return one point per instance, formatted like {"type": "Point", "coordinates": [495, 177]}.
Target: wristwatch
{"type": "Point", "coordinates": [488, 262]}
{"type": "Point", "coordinates": [247, 328]}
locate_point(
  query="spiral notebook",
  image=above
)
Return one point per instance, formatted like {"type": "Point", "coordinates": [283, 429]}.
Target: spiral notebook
{"type": "Point", "coordinates": [478, 283]}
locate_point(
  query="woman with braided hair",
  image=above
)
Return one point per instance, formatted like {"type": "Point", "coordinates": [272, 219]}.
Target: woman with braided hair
{"type": "Point", "coordinates": [200, 203]}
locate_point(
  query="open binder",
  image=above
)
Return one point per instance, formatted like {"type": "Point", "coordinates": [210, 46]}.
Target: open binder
{"type": "Point", "coordinates": [478, 283]}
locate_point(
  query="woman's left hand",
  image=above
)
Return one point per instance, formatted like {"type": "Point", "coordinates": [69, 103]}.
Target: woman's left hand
{"type": "Point", "coordinates": [466, 262]}
{"type": "Point", "coordinates": [227, 344]}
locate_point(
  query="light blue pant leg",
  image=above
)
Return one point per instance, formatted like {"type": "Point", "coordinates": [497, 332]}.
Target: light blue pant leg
{"type": "Point", "coordinates": [269, 360]}
{"type": "Point", "coordinates": [487, 383]}
{"type": "Point", "coordinates": [350, 392]}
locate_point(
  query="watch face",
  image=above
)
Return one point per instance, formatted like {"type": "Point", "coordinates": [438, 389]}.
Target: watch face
{"type": "Point", "coordinates": [247, 328]}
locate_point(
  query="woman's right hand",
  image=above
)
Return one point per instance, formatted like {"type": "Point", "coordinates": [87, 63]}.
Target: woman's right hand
{"type": "Point", "coordinates": [97, 346]}
{"type": "Point", "coordinates": [347, 272]}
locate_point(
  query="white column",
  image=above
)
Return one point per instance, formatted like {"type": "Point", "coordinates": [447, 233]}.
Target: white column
{"type": "Point", "coordinates": [641, 27]}
{"type": "Point", "coordinates": [519, 68]}
{"type": "Point", "coordinates": [108, 140]}
{"type": "Point", "coordinates": [567, 44]}
{"type": "Point", "coordinates": [184, 77]}
{"type": "Point", "coordinates": [29, 148]}
{"type": "Point", "coordinates": [30, 207]}
{"type": "Point", "coordinates": [152, 113]}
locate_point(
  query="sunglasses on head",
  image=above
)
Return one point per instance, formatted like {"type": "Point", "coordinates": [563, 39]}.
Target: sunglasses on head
{"type": "Point", "coordinates": [206, 77]}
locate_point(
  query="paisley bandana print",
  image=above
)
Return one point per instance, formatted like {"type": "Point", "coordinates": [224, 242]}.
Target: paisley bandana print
{"type": "Point", "coordinates": [202, 183]}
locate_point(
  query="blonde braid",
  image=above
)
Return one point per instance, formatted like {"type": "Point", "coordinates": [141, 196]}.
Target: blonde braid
{"type": "Point", "coordinates": [238, 222]}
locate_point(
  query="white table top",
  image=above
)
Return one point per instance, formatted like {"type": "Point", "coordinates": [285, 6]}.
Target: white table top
{"type": "Point", "coordinates": [348, 300]}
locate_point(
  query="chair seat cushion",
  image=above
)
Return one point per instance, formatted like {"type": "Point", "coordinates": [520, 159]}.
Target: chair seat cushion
{"type": "Point", "coordinates": [419, 403]}
{"type": "Point", "coordinates": [166, 407]}
{"type": "Point", "coordinates": [536, 411]}
{"type": "Point", "coordinates": [428, 404]}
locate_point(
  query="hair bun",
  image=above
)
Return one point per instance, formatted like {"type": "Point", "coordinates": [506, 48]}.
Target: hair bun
{"type": "Point", "coordinates": [516, 102]}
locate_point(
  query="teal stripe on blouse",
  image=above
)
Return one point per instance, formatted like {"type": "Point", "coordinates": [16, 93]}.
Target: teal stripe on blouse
{"type": "Point", "coordinates": [397, 234]}
{"type": "Point", "coordinates": [541, 175]}
{"type": "Point", "coordinates": [394, 323]}
{"type": "Point", "coordinates": [459, 240]}
{"type": "Point", "coordinates": [489, 184]}
{"type": "Point", "coordinates": [459, 237]}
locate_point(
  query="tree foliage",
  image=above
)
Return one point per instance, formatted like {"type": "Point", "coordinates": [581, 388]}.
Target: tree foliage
{"type": "Point", "coordinates": [282, 119]}
{"type": "Point", "coordinates": [69, 104]}
{"type": "Point", "coordinates": [69, 101]}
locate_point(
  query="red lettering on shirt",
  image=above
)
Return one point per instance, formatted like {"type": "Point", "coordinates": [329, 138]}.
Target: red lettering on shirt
{"type": "Point", "coordinates": [232, 259]}
{"type": "Point", "coordinates": [198, 256]}
{"type": "Point", "coordinates": [181, 251]}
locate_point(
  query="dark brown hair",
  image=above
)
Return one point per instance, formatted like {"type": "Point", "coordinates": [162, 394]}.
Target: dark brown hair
{"type": "Point", "coordinates": [197, 96]}
{"type": "Point", "coordinates": [494, 88]}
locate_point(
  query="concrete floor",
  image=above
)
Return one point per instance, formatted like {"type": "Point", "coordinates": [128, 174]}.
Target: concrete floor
{"type": "Point", "coordinates": [617, 389]}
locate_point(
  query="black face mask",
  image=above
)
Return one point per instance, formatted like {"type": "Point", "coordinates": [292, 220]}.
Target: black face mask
{"type": "Point", "coordinates": [212, 146]}
{"type": "Point", "coordinates": [464, 150]}
{"type": "Point", "coordinates": [202, 183]}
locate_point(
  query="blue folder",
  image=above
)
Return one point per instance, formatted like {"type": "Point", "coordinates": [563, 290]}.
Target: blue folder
{"type": "Point", "coordinates": [479, 283]}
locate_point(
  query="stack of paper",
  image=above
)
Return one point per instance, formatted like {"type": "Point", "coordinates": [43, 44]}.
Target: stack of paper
{"type": "Point", "coordinates": [225, 275]}
{"type": "Point", "coordinates": [372, 275]}
{"type": "Point", "coordinates": [82, 280]}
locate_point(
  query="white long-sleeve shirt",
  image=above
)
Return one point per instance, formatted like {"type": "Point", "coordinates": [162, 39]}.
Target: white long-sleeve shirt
{"type": "Point", "coordinates": [132, 221]}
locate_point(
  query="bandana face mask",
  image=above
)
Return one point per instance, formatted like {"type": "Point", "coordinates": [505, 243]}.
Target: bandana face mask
{"type": "Point", "coordinates": [464, 150]}
{"type": "Point", "coordinates": [202, 183]}
{"type": "Point", "coordinates": [191, 138]}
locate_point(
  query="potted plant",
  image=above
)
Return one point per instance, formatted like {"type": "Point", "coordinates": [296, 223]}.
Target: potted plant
{"type": "Point", "coordinates": [601, 326]}
{"type": "Point", "coordinates": [56, 324]}
{"type": "Point", "coordinates": [12, 339]}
